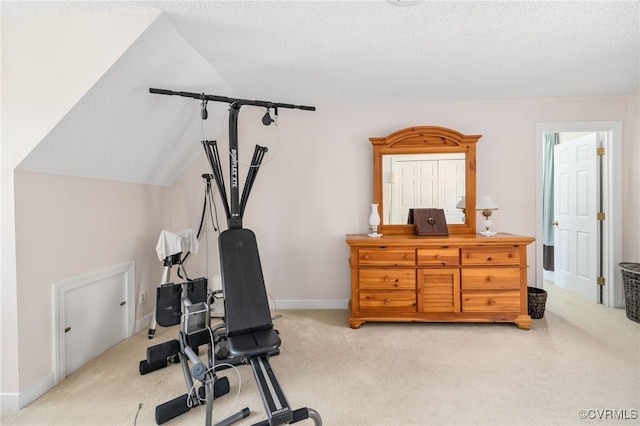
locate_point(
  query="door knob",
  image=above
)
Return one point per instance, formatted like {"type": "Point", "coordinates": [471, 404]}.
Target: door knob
{"type": "Point", "coordinates": [554, 223]}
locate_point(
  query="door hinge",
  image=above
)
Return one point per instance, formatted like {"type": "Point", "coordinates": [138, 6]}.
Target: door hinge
{"type": "Point", "coordinates": [600, 216]}
{"type": "Point", "coordinates": [600, 151]}
{"type": "Point", "coordinates": [600, 281]}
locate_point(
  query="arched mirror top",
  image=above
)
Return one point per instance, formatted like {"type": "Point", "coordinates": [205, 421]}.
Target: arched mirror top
{"type": "Point", "coordinates": [425, 145]}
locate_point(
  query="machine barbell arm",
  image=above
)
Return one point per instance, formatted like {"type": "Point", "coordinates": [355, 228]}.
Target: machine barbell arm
{"type": "Point", "coordinates": [204, 97]}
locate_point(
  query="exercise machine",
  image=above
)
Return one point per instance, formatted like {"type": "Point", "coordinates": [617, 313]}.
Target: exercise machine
{"type": "Point", "coordinates": [186, 304]}
{"type": "Point", "coordinates": [247, 335]}
{"type": "Point", "coordinates": [174, 249]}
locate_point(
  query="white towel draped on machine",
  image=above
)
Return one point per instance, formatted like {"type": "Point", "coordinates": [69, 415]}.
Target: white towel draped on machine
{"type": "Point", "coordinates": [175, 242]}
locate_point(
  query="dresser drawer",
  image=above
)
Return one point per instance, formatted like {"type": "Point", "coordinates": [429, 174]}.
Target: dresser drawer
{"type": "Point", "coordinates": [401, 279]}
{"type": "Point", "coordinates": [508, 255]}
{"type": "Point", "coordinates": [388, 300]}
{"type": "Point", "coordinates": [491, 301]}
{"type": "Point", "coordinates": [386, 257]}
{"type": "Point", "coordinates": [439, 257]}
{"type": "Point", "coordinates": [490, 278]}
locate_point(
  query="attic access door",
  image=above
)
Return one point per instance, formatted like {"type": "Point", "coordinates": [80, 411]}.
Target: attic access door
{"type": "Point", "coordinates": [93, 312]}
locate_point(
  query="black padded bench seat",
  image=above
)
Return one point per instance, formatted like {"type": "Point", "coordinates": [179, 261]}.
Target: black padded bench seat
{"type": "Point", "coordinates": [248, 318]}
{"type": "Point", "coordinates": [254, 343]}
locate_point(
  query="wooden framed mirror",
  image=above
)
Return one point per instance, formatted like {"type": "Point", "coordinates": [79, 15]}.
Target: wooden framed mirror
{"type": "Point", "coordinates": [425, 167]}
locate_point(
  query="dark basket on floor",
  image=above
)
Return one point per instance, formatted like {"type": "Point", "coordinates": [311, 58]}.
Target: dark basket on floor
{"type": "Point", "coordinates": [631, 281]}
{"type": "Point", "coordinates": [537, 301]}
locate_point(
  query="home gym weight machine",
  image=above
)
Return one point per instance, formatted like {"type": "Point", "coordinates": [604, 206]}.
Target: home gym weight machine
{"type": "Point", "coordinates": [247, 335]}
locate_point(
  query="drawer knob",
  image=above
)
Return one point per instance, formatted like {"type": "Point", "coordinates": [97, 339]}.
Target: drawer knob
{"type": "Point", "coordinates": [510, 255]}
{"type": "Point", "coordinates": [489, 259]}
{"type": "Point", "coordinates": [406, 256]}
{"type": "Point", "coordinates": [387, 279]}
{"type": "Point", "coordinates": [491, 278]}
{"type": "Point", "coordinates": [437, 256]}
{"type": "Point", "coordinates": [387, 301]}
{"type": "Point", "coordinates": [491, 302]}
{"type": "Point", "coordinates": [366, 256]}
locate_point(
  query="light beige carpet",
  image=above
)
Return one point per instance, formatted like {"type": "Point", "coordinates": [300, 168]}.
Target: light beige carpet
{"type": "Point", "coordinates": [580, 356]}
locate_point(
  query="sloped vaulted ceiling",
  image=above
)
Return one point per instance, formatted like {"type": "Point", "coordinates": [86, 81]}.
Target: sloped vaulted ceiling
{"type": "Point", "coordinates": [119, 131]}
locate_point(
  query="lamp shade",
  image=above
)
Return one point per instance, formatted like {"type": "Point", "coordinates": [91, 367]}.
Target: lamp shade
{"type": "Point", "coordinates": [486, 203]}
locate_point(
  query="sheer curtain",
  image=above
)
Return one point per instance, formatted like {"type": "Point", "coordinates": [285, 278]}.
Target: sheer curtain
{"type": "Point", "coordinates": [550, 140]}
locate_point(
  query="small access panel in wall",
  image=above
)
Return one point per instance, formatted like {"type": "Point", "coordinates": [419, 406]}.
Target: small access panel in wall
{"type": "Point", "coordinates": [93, 312]}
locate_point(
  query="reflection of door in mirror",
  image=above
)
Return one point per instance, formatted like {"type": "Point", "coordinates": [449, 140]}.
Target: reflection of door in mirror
{"type": "Point", "coordinates": [423, 181]}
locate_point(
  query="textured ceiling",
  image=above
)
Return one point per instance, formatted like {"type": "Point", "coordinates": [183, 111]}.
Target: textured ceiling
{"type": "Point", "coordinates": [318, 52]}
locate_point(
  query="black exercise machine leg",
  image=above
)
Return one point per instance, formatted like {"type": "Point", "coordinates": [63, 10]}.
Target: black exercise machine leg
{"type": "Point", "coordinates": [275, 402]}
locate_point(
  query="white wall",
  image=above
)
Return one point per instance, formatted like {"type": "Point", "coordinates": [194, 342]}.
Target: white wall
{"type": "Point", "coordinates": [41, 81]}
{"type": "Point", "coordinates": [69, 226]}
{"type": "Point", "coordinates": [318, 186]}
{"type": "Point", "coordinates": [631, 183]}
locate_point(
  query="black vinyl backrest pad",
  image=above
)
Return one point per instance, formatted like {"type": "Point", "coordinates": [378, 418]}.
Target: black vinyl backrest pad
{"type": "Point", "coordinates": [168, 305]}
{"type": "Point", "coordinates": [169, 300]}
{"type": "Point", "coordinates": [245, 296]}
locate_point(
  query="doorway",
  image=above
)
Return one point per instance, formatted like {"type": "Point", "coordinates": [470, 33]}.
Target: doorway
{"type": "Point", "coordinates": [606, 286]}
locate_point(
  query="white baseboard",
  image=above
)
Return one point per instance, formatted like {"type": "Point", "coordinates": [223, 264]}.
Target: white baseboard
{"type": "Point", "coordinates": [9, 401]}
{"type": "Point", "coordinates": [309, 304]}
{"type": "Point", "coordinates": [17, 401]}
{"type": "Point", "coordinates": [143, 323]}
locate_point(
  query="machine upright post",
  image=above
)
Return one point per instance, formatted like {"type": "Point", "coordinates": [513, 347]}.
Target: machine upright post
{"type": "Point", "coordinates": [235, 220]}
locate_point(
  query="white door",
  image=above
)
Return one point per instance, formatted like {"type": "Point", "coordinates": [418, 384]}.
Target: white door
{"type": "Point", "coordinates": [429, 184]}
{"type": "Point", "coordinates": [451, 188]}
{"type": "Point", "coordinates": [576, 201]}
{"type": "Point", "coordinates": [94, 312]}
{"type": "Point", "coordinates": [418, 182]}
{"type": "Point", "coordinates": [95, 319]}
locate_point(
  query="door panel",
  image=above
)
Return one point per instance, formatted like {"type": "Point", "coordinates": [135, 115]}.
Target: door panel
{"type": "Point", "coordinates": [418, 180]}
{"type": "Point", "coordinates": [429, 184]}
{"type": "Point", "coordinates": [576, 235]}
{"type": "Point", "coordinates": [95, 318]}
{"type": "Point", "coordinates": [451, 179]}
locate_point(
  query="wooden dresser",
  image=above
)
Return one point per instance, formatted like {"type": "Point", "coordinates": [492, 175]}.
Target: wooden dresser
{"type": "Point", "coordinates": [458, 278]}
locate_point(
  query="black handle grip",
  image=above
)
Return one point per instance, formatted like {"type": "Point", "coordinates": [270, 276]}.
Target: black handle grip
{"type": "Point", "coordinates": [161, 91]}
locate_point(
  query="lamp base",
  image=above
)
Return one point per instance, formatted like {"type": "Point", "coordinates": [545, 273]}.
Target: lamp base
{"type": "Point", "coordinates": [487, 233]}
{"type": "Point", "coordinates": [374, 235]}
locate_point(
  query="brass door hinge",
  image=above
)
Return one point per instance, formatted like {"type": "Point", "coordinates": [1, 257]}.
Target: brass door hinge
{"type": "Point", "coordinates": [600, 281]}
{"type": "Point", "coordinates": [600, 151]}
{"type": "Point", "coordinates": [600, 216]}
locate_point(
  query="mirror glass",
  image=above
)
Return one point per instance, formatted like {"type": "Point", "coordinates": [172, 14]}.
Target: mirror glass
{"type": "Point", "coordinates": [425, 167]}
{"type": "Point", "coordinates": [423, 181]}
